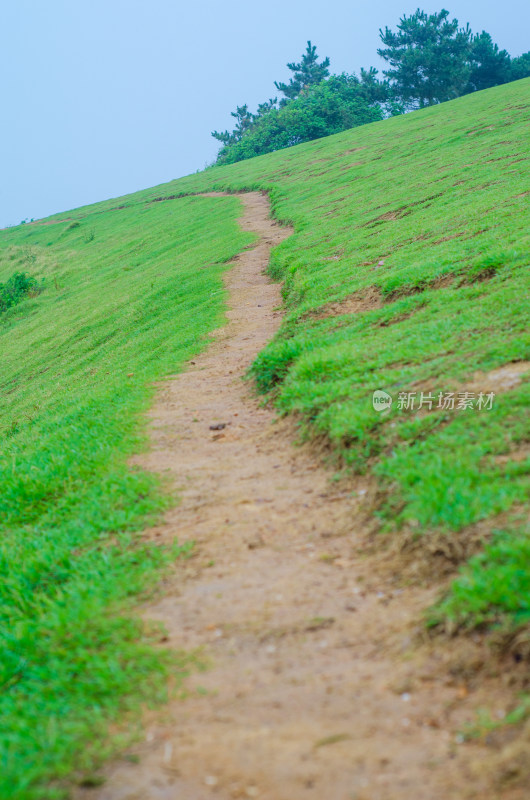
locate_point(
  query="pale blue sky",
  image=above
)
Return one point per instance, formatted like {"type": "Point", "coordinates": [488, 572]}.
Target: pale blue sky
{"type": "Point", "coordinates": [105, 97]}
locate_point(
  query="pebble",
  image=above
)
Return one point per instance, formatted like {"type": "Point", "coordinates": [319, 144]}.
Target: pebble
{"type": "Point", "coordinates": [168, 752]}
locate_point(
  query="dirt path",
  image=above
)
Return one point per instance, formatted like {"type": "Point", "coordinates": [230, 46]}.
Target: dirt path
{"type": "Point", "coordinates": [314, 688]}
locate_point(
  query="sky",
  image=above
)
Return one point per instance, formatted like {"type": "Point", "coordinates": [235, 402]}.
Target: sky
{"type": "Point", "coordinates": [104, 97]}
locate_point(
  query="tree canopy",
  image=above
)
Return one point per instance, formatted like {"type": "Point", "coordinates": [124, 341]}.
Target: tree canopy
{"type": "Point", "coordinates": [488, 66]}
{"type": "Point", "coordinates": [427, 57]}
{"type": "Point", "coordinates": [327, 107]}
{"type": "Point", "coordinates": [431, 58]}
{"type": "Point", "coordinates": [306, 73]}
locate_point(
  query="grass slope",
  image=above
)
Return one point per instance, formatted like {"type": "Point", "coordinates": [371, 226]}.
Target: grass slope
{"type": "Point", "coordinates": [407, 271]}
{"type": "Point", "coordinates": [127, 296]}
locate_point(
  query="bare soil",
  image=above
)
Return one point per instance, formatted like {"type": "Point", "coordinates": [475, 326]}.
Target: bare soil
{"type": "Point", "coordinates": [317, 683]}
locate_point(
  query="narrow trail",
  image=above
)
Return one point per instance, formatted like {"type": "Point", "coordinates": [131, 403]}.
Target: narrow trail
{"type": "Point", "coordinates": [314, 688]}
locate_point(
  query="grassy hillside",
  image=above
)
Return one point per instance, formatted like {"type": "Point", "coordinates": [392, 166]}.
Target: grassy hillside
{"type": "Point", "coordinates": [126, 297]}
{"type": "Point", "coordinates": [407, 272]}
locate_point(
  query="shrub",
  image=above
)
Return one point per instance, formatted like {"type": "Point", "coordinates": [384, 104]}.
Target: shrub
{"type": "Point", "coordinates": [18, 286]}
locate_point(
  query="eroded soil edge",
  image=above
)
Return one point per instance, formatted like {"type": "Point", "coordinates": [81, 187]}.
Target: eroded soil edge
{"type": "Point", "coordinates": [315, 687]}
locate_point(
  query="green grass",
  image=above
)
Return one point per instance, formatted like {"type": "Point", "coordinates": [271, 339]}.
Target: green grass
{"type": "Point", "coordinates": [128, 296]}
{"type": "Point", "coordinates": [426, 213]}
{"type": "Point", "coordinates": [492, 584]}
{"type": "Point", "coordinates": [13, 291]}
{"type": "Point", "coordinates": [437, 196]}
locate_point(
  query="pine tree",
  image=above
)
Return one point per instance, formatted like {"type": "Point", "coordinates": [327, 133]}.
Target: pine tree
{"type": "Point", "coordinates": [306, 73]}
{"type": "Point", "coordinates": [244, 121]}
{"type": "Point", "coordinates": [489, 65]}
{"type": "Point", "coordinates": [428, 56]}
{"type": "Point", "coordinates": [264, 108]}
{"type": "Point", "coordinates": [520, 67]}
{"type": "Point", "coordinates": [375, 91]}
